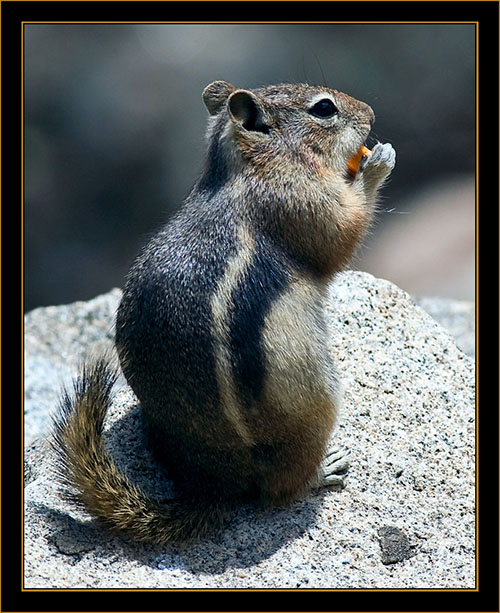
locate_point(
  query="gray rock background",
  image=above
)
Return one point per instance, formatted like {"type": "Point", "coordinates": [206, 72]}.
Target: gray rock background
{"type": "Point", "coordinates": [405, 519]}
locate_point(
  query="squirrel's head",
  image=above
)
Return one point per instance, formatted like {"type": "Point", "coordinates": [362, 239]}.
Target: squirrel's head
{"type": "Point", "coordinates": [295, 126]}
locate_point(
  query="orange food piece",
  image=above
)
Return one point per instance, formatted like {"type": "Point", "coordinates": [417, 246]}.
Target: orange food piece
{"type": "Point", "coordinates": [353, 163]}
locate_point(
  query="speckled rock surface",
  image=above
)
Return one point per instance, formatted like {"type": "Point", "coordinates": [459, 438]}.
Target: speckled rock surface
{"type": "Point", "coordinates": [57, 339]}
{"type": "Point", "coordinates": [409, 421]}
{"type": "Point", "coordinates": [456, 316]}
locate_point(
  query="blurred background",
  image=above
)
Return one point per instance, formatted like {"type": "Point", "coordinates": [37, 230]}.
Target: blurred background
{"type": "Point", "coordinates": [114, 140]}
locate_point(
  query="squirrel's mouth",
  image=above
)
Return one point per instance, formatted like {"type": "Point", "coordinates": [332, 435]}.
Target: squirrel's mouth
{"type": "Point", "coordinates": [355, 161]}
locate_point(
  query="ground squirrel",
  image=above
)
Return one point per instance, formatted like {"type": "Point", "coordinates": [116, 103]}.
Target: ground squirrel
{"type": "Point", "coordinates": [221, 331]}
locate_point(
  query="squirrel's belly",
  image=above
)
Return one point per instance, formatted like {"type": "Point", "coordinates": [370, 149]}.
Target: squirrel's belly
{"type": "Point", "coordinates": [270, 346]}
{"type": "Point", "coordinates": [301, 383]}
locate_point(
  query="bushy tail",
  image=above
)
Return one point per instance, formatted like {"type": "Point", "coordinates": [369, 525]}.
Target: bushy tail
{"type": "Point", "coordinates": [87, 469]}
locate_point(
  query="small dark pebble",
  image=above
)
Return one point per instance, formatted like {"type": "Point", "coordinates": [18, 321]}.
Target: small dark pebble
{"type": "Point", "coordinates": [394, 545]}
{"type": "Point", "coordinates": [67, 544]}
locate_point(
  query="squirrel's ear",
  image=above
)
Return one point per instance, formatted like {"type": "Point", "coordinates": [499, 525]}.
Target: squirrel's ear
{"type": "Point", "coordinates": [245, 108]}
{"type": "Point", "coordinates": [216, 94]}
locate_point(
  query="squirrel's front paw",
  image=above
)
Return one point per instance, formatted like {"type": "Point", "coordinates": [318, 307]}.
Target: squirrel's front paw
{"type": "Point", "coordinates": [380, 162]}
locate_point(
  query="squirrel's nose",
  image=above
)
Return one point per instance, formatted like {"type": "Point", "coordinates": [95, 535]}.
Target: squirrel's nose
{"type": "Point", "coordinates": [371, 115]}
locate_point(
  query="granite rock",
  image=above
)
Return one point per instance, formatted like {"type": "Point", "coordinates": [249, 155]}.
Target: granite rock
{"type": "Point", "coordinates": [408, 420]}
{"type": "Point", "coordinates": [456, 316]}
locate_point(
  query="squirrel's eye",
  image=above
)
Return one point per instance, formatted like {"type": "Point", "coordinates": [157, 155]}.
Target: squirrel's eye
{"type": "Point", "coordinates": [324, 108]}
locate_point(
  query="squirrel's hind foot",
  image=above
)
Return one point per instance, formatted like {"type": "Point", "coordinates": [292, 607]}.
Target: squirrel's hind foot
{"type": "Point", "coordinates": [333, 468]}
